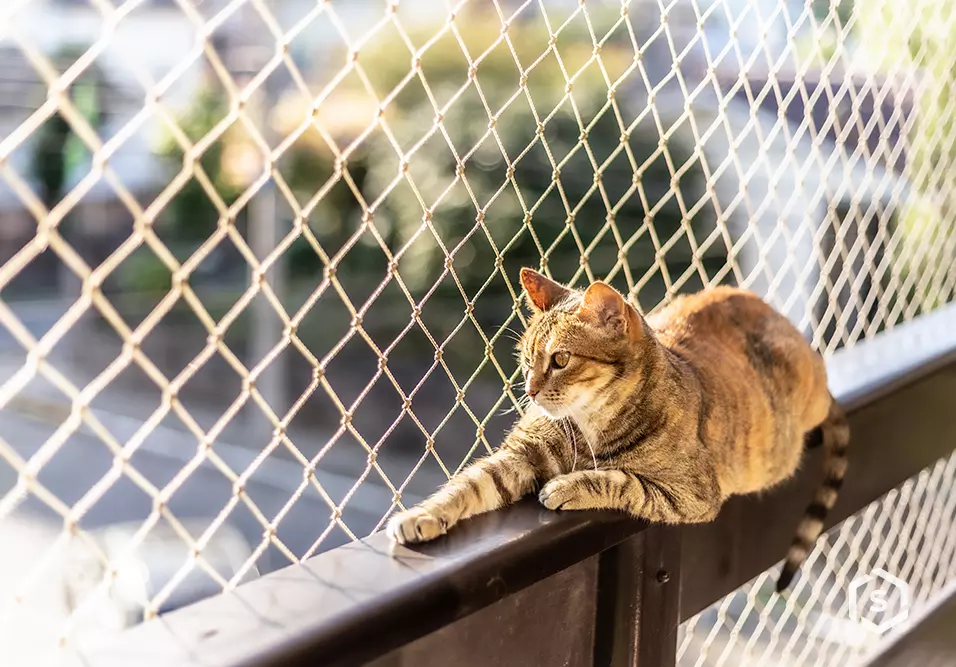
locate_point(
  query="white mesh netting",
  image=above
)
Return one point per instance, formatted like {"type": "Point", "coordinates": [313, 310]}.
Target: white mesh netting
{"type": "Point", "coordinates": [258, 261]}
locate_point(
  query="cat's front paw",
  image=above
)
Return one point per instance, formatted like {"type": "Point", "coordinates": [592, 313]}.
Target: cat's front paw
{"type": "Point", "coordinates": [561, 493]}
{"type": "Point", "coordinates": [415, 525]}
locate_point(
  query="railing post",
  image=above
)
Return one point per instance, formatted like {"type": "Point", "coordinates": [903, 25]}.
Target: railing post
{"type": "Point", "coordinates": [638, 601]}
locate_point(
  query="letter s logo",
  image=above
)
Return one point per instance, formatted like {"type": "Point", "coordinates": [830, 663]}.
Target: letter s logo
{"type": "Point", "coordinates": [878, 603]}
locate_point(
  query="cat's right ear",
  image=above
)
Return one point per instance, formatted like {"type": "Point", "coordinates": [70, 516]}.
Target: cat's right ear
{"type": "Point", "coordinates": [542, 292]}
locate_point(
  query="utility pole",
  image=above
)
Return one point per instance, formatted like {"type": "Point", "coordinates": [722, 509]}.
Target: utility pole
{"type": "Point", "coordinates": [265, 325]}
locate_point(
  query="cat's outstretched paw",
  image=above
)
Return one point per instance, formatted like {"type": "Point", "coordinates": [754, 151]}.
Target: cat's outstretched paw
{"type": "Point", "coordinates": [415, 525]}
{"type": "Point", "coordinates": [561, 493]}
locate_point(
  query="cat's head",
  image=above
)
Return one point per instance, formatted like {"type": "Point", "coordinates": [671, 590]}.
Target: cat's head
{"type": "Point", "coordinates": [579, 350]}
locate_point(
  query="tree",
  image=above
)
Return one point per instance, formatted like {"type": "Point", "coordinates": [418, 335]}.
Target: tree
{"type": "Point", "coordinates": [919, 39]}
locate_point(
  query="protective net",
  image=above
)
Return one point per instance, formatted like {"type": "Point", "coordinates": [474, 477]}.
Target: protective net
{"type": "Point", "coordinates": [258, 262]}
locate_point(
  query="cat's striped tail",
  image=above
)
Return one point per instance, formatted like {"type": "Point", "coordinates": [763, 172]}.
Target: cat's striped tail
{"type": "Point", "coordinates": [835, 436]}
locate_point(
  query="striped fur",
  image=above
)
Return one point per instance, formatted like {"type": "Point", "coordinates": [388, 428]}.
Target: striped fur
{"type": "Point", "coordinates": [835, 439]}
{"type": "Point", "coordinates": [664, 418]}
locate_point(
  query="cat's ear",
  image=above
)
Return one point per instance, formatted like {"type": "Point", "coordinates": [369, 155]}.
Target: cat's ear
{"type": "Point", "coordinates": [605, 306]}
{"type": "Point", "coordinates": [542, 292]}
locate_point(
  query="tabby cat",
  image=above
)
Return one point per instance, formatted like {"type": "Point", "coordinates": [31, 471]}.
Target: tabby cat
{"type": "Point", "coordinates": [663, 418]}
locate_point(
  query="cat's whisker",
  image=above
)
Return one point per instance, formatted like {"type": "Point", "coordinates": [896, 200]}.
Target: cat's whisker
{"type": "Point", "coordinates": [569, 430]}
{"type": "Point", "coordinates": [514, 333]}
{"type": "Point", "coordinates": [522, 402]}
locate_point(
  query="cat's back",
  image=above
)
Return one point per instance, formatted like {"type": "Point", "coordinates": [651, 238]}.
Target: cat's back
{"type": "Point", "coordinates": [716, 312]}
{"type": "Point", "coordinates": [735, 338]}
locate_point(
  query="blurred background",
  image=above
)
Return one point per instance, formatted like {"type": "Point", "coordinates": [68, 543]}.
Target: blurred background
{"type": "Point", "coordinates": [258, 259]}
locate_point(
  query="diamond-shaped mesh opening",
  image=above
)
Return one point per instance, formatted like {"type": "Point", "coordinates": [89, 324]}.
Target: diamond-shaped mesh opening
{"type": "Point", "coordinates": [258, 259]}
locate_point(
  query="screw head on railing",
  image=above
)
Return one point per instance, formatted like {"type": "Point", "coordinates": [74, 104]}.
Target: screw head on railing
{"type": "Point", "coordinates": [663, 576]}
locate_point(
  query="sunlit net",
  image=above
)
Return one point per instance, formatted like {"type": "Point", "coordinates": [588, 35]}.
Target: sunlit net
{"type": "Point", "coordinates": [803, 151]}
{"type": "Point", "coordinates": [907, 534]}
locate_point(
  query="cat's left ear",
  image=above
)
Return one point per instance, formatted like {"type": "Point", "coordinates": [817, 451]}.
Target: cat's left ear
{"type": "Point", "coordinates": [605, 306]}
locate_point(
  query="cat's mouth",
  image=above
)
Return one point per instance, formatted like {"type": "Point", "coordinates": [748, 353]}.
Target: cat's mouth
{"type": "Point", "coordinates": [551, 410]}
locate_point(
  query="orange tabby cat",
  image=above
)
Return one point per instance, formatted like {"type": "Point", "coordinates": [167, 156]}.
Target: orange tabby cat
{"type": "Point", "coordinates": [663, 418]}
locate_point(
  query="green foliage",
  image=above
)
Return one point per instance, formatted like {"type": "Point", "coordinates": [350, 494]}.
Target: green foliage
{"type": "Point", "coordinates": [528, 214]}
{"type": "Point", "coordinates": [431, 210]}
{"type": "Point", "coordinates": [841, 10]}
{"type": "Point", "coordinates": [143, 273]}
{"type": "Point", "coordinates": [57, 150]}
{"type": "Point", "coordinates": [48, 166]}
{"type": "Point", "coordinates": [928, 45]}
{"type": "Point", "coordinates": [191, 215]}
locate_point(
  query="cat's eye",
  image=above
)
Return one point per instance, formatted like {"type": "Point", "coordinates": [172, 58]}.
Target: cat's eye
{"type": "Point", "coordinates": [560, 359]}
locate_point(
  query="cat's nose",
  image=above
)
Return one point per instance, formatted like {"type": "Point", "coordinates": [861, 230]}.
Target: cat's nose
{"type": "Point", "coordinates": [531, 392]}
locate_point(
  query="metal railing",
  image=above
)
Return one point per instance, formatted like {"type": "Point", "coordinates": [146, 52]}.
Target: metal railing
{"type": "Point", "coordinates": [286, 280]}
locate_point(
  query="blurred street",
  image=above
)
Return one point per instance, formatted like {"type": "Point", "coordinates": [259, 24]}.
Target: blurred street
{"type": "Point", "coordinates": [36, 413]}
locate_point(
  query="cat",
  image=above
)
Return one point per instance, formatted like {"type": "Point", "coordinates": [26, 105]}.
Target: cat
{"type": "Point", "coordinates": [663, 418]}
